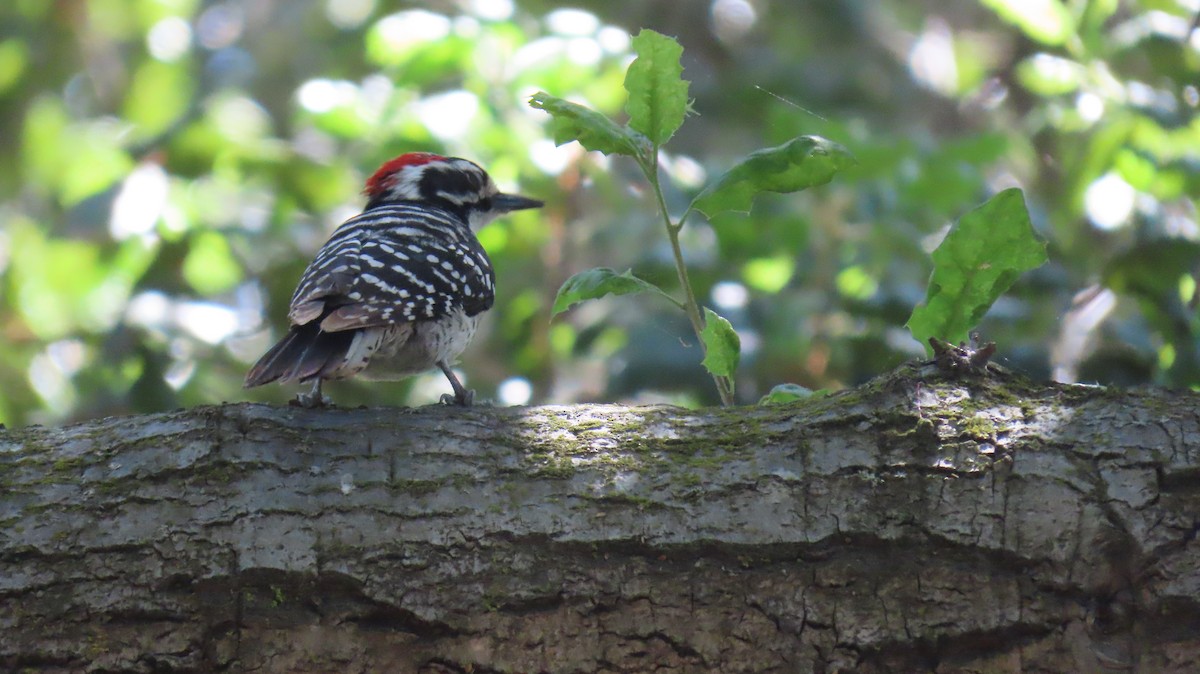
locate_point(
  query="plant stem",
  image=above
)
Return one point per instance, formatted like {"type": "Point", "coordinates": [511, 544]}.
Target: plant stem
{"type": "Point", "coordinates": [691, 307]}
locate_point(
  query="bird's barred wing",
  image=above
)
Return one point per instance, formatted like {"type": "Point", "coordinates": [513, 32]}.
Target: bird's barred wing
{"type": "Point", "coordinates": [394, 271]}
{"type": "Point", "coordinates": [331, 275]}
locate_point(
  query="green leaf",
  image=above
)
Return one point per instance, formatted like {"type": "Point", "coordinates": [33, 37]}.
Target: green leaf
{"type": "Point", "coordinates": [797, 164]}
{"type": "Point", "coordinates": [594, 131]}
{"type": "Point", "coordinates": [980, 258]}
{"type": "Point", "coordinates": [1047, 21]}
{"type": "Point", "coordinates": [658, 94]}
{"type": "Point", "coordinates": [722, 347]}
{"type": "Point", "coordinates": [785, 393]}
{"type": "Point", "coordinates": [598, 282]}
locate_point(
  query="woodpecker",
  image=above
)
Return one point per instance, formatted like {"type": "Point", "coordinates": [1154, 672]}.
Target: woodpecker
{"type": "Point", "coordinates": [399, 288]}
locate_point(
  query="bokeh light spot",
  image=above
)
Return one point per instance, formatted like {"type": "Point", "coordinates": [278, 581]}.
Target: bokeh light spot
{"type": "Point", "coordinates": [349, 14]}
{"type": "Point", "coordinates": [1109, 201]}
{"type": "Point", "coordinates": [322, 95]}
{"type": "Point", "coordinates": [732, 19]}
{"type": "Point", "coordinates": [220, 26]}
{"type": "Point", "coordinates": [491, 10]}
{"type": "Point", "coordinates": [550, 158]}
{"type": "Point", "coordinates": [169, 39]}
{"type": "Point", "coordinates": [515, 391]}
{"type": "Point", "coordinates": [574, 22]}
{"type": "Point", "coordinates": [448, 115]}
{"type": "Point", "coordinates": [730, 295]}
{"type": "Point", "coordinates": [139, 203]}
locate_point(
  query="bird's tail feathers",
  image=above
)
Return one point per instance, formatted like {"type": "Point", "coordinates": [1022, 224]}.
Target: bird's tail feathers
{"type": "Point", "coordinates": [305, 352]}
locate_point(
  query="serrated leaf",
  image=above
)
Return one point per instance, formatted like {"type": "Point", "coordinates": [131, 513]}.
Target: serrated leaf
{"type": "Point", "coordinates": [658, 94]}
{"type": "Point", "coordinates": [598, 282]}
{"type": "Point", "coordinates": [798, 164]}
{"type": "Point", "coordinates": [978, 261]}
{"type": "Point", "coordinates": [722, 347]}
{"type": "Point", "coordinates": [574, 122]}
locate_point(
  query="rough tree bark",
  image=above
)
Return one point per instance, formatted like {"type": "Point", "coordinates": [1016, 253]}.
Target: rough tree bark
{"type": "Point", "coordinates": [918, 523]}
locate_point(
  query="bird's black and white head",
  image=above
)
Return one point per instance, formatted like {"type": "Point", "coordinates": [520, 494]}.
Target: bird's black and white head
{"type": "Point", "coordinates": [455, 184]}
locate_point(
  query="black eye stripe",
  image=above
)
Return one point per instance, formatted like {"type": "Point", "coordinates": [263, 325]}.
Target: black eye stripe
{"type": "Point", "coordinates": [450, 181]}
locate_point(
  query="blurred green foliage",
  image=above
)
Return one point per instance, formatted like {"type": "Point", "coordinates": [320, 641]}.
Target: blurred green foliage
{"type": "Point", "coordinates": [174, 164]}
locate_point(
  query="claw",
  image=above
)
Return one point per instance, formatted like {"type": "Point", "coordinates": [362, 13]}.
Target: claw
{"type": "Point", "coordinates": [313, 399]}
{"type": "Point", "coordinates": [467, 399]}
{"type": "Point", "coordinates": [463, 397]}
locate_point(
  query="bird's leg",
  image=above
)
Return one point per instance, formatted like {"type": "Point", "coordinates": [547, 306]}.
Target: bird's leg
{"type": "Point", "coordinates": [462, 397]}
{"type": "Point", "coordinates": [312, 399]}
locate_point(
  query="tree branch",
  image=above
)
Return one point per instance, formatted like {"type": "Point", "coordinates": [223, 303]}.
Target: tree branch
{"type": "Point", "coordinates": [965, 524]}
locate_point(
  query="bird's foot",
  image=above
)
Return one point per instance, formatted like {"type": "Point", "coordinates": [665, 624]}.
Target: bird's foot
{"type": "Point", "coordinates": [313, 399]}
{"type": "Point", "coordinates": [310, 401]}
{"type": "Point", "coordinates": [462, 398]}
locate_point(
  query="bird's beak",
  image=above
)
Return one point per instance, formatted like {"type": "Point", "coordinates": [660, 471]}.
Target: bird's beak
{"type": "Point", "coordinates": [513, 202]}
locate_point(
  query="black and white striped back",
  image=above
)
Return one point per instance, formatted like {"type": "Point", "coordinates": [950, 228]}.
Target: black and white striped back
{"type": "Point", "coordinates": [398, 262]}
